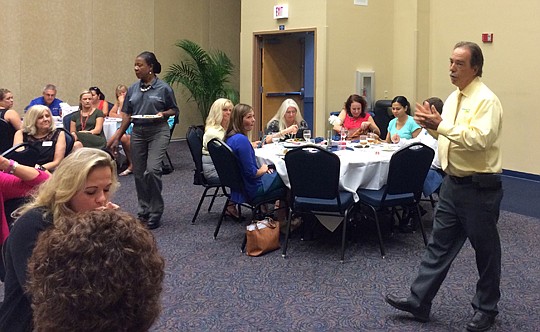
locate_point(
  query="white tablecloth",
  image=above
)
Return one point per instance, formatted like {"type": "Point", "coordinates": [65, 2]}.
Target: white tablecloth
{"type": "Point", "coordinates": [109, 126]}
{"type": "Point", "coordinates": [362, 168]}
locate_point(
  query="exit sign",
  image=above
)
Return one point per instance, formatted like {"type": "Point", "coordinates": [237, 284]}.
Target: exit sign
{"type": "Point", "coordinates": [281, 11]}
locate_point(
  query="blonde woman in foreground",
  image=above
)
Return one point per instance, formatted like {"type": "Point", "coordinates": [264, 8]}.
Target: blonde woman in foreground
{"type": "Point", "coordinates": [84, 181]}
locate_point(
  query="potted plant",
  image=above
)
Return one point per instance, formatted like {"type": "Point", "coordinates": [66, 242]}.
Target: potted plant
{"type": "Point", "coordinates": [205, 74]}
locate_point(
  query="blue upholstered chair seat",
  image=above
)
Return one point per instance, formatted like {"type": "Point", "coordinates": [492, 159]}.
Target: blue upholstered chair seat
{"type": "Point", "coordinates": [325, 205]}
{"type": "Point", "coordinates": [374, 198]}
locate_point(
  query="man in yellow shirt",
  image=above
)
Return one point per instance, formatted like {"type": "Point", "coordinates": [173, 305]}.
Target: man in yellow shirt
{"type": "Point", "coordinates": [469, 135]}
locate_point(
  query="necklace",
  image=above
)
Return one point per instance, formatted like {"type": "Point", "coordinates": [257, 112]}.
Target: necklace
{"type": "Point", "coordinates": [145, 87]}
{"type": "Point", "coordinates": [84, 119]}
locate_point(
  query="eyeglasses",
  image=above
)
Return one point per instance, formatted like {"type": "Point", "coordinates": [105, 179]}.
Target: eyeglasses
{"type": "Point", "coordinates": [291, 112]}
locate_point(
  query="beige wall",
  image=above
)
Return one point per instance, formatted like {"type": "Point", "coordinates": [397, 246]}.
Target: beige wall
{"type": "Point", "coordinates": [257, 18]}
{"type": "Point", "coordinates": [511, 67]}
{"type": "Point", "coordinates": [407, 43]}
{"type": "Point", "coordinates": [78, 44]}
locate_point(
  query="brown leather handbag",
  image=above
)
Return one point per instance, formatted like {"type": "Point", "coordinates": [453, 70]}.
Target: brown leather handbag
{"type": "Point", "coordinates": [262, 236]}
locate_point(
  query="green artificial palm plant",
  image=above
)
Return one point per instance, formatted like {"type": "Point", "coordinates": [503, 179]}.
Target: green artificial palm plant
{"type": "Point", "coordinates": [205, 74]}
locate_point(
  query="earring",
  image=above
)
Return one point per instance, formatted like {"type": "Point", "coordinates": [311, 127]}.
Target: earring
{"type": "Point", "coordinates": [150, 73]}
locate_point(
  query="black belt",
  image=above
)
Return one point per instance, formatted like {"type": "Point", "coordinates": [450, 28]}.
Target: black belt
{"type": "Point", "coordinates": [144, 123]}
{"type": "Point", "coordinates": [461, 180]}
{"type": "Point", "coordinates": [484, 181]}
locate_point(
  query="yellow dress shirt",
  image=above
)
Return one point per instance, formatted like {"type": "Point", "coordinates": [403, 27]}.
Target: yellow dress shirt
{"type": "Point", "coordinates": [470, 138]}
{"type": "Point", "coordinates": [209, 133]}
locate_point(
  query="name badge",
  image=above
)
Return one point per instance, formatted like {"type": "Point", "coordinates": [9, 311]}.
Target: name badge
{"type": "Point", "coordinates": [47, 143]}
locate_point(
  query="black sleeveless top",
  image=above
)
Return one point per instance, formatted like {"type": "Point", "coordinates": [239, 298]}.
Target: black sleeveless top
{"type": "Point", "coordinates": [46, 145]}
{"type": "Point", "coordinates": [7, 137]}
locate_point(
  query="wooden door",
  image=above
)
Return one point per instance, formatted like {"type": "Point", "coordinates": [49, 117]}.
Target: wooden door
{"type": "Point", "coordinates": [282, 77]}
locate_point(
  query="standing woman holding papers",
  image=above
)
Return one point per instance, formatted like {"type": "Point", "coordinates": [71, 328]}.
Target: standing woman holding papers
{"type": "Point", "coordinates": [148, 103]}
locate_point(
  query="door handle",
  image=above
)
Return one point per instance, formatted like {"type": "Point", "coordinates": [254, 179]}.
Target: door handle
{"type": "Point", "coordinates": [284, 94]}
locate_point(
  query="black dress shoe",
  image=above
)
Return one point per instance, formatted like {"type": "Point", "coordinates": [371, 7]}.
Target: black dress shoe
{"type": "Point", "coordinates": [153, 224]}
{"type": "Point", "coordinates": [480, 322]}
{"type": "Point", "coordinates": [403, 304]}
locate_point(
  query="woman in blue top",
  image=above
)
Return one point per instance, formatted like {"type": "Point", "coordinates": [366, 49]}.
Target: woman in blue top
{"type": "Point", "coordinates": [403, 125]}
{"type": "Point", "coordinates": [257, 180]}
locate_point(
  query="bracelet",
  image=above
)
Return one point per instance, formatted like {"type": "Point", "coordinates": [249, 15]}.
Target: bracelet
{"type": "Point", "coordinates": [8, 169]}
{"type": "Point", "coordinates": [40, 168]}
{"type": "Point", "coordinates": [15, 164]}
{"type": "Point", "coordinates": [12, 166]}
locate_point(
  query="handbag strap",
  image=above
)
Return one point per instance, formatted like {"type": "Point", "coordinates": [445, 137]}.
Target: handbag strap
{"type": "Point", "coordinates": [268, 222]}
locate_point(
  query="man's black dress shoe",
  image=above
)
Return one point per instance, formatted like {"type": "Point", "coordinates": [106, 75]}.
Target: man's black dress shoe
{"type": "Point", "coordinates": [403, 304]}
{"type": "Point", "coordinates": [480, 322]}
{"type": "Point", "coordinates": [153, 224]}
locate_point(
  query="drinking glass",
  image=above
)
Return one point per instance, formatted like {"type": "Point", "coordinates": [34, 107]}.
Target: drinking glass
{"type": "Point", "coordinates": [307, 135]}
{"type": "Point", "coordinates": [275, 138]}
{"type": "Point", "coordinates": [329, 134]}
{"type": "Point", "coordinates": [363, 140]}
{"type": "Point", "coordinates": [371, 138]}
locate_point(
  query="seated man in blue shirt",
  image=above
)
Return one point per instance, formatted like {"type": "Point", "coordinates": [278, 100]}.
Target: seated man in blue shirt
{"type": "Point", "coordinates": [48, 99]}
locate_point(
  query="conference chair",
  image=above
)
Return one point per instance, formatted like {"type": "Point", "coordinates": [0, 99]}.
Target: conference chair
{"type": "Point", "coordinates": [228, 169]}
{"type": "Point", "coordinates": [406, 174]}
{"type": "Point", "coordinates": [70, 141]}
{"type": "Point", "coordinates": [23, 153]}
{"type": "Point", "coordinates": [194, 137]}
{"type": "Point", "coordinates": [314, 177]}
{"type": "Point", "coordinates": [382, 115]}
{"type": "Point", "coordinates": [7, 132]}
{"type": "Point", "coordinates": [66, 121]}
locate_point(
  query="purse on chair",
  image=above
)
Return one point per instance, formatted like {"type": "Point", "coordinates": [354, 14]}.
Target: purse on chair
{"type": "Point", "coordinates": [262, 236]}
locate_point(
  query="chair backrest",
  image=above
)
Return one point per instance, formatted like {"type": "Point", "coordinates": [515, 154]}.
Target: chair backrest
{"type": "Point", "coordinates": [382, 116]}
{"type": "Point", "coordinates": [7, 132]}
{"type": "Point", "coordinates": [66, 121]}
{"type": "Point", "coordinates": [70, 141]}
{"type": "Point", "coordinates": [194, 137]}
{"type": "Point", "coordinates": [313, 172]}
{"type": "Point", "coordinates": [408, 169]}
{"type": "Point", "coordinates": [23, 153]}
{"type": "Point", "coordinates": [226, 164]}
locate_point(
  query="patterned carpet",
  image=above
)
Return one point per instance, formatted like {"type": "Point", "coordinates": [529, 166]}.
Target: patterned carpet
{"type": "Point", "coordinates": [211, 286]}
